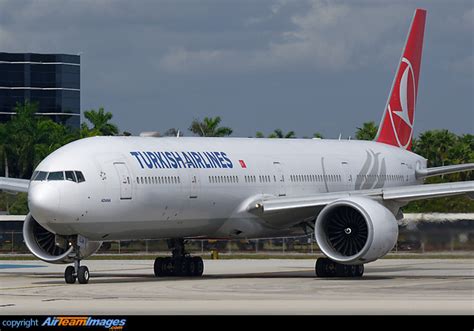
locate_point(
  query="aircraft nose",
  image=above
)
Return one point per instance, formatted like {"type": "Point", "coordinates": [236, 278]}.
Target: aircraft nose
{"type": "Point", "coordinates": [43, 202]}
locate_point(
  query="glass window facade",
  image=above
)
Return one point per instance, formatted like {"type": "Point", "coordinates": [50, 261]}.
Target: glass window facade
{"type": "Point", "coordinates": [51, 80]}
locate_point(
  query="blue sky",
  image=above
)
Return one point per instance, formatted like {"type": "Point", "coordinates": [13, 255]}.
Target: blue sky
{"type": "Point", "coordinates": [308, 65]}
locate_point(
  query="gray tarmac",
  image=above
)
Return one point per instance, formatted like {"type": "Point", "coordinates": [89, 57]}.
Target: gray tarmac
{"type": "Point", "coordinates": [405, 286]}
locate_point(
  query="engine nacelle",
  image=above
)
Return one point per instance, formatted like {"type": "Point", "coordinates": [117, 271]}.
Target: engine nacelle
{"type": "Point", "coordinates": [50, 247]}
{"type": "Point", "coordinates": [355, 230]}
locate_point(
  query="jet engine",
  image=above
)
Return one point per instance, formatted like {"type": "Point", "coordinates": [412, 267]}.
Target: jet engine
{"type": "Point", "coordinates": [51, 247]}
{"type": "Point", "coordinates": [355, 230]}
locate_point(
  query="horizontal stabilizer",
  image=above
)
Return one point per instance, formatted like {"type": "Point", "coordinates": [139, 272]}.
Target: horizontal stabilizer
{"type": "Point", "coordinates": [423, 173]}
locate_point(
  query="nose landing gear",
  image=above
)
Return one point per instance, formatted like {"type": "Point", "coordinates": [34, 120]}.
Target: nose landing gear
{"type": "Point", "coordinates": [81, 273]}
{"type": "Point", "coordinates": [181, 264]}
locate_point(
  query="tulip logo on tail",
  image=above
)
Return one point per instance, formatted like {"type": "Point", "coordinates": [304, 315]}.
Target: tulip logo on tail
{"type": "Point", "coordinates": [404, 106]}
{"type": "Point", "coordinates": [396, 127]}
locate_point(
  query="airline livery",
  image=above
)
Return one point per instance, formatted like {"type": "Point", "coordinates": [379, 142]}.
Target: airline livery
{"type": "Point", "coordinates": [350, 193]}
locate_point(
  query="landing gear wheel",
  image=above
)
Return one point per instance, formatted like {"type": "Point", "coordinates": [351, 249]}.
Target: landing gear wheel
{"type": "Point", "coordinates": [181, 267]}
{"type": "Point", "coordinates": [191, 266]}
{"type": "Point", "coordinates": [159, 267]}
{"type": "Point", "coordinates": [343, 270]}
{"type": "Point", "coordinates": [168, 268]}
{"type": "Point", "coordinates": [198, 266]}
{"type": "Point", "coordinates": [359, 270]}
{"type": "Point", "coordinates": [353, 270]}
{"type": "Point", "coordinates": [83, 275]}
{"type": "Point", "coordinates": [181, 264]}
{"type": "Point", "coordinates": [325, 267]}
{"type": "Point", "coordinates": [321, 267]}
{"type": "Point", "coordinates": [69, 276]}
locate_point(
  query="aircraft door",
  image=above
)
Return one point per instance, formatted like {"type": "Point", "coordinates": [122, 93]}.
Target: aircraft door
{"type": "Point", "coordinates": [280, 178]}
{"type": "Point", "coordinates": [193, 183]}
{"type": "Point", "coordinates": [125, 180]}
{"type": "Point", "coordinates": [347, 180]}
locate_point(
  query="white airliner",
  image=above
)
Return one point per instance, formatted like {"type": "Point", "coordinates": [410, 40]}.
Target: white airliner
{"type": "Point", "coordinates": [126, 188]}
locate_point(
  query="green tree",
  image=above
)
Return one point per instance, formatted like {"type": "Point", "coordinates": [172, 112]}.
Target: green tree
{"type": "Point", "coordinates": [21, 135]}
{"type": "Point", "coordinates": [27, 139]}
{"type": "Point", "coordinates": [100, 123]}
{"type": "Point", "coordinates": [318, 135]}
{"type": "Point", "coordinates": [278, 133]}
{"type": "Point", "coordinates": [442, 147]}
{"type": "Point", "coordinates": [436, 146]}
{"type": "Point", "coordinates": [51, 136]}
{"type": "Point", "coordinates": [368, 131]}
{"type": "Point", "coordinates": [209, 127]}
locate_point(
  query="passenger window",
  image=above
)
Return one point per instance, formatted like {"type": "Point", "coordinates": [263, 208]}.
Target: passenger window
{"type": "Point", "coordinates": [56, 175]}
{"type": "Point", "coordinates": [80, 177]}
{"type": "Point", "coordinates": [70, 176]}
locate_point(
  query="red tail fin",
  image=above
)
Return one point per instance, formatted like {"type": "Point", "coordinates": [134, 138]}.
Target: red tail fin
{"type": "Point", "coordinates": [396, 127]}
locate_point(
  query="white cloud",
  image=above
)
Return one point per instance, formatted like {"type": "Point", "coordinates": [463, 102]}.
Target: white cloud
{"type": "Point", "coordinates": [328, 36]}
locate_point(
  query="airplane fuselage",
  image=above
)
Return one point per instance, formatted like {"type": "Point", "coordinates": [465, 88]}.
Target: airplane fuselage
{"type": "Point", "coordinates": [149, 188]}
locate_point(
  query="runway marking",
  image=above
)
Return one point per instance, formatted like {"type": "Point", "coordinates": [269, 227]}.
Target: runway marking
{"type": "Point", "coordinates": [27, 287]}
{"type": "Point", "coordinates": [19, 266]}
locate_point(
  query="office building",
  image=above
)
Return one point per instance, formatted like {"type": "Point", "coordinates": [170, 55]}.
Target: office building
{"type": "Point", "coordinates": [51, 80]}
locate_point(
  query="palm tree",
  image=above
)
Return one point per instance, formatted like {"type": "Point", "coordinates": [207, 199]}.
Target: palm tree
{"type": "Point", "coordinates": [278, 133]}
{"type": "Point", "coordinates": [100, 121]}
{"type": "Point", "coordinates": [436, 146]}
{"type": "Point", "coordinates": [318, 135]}
{"type": "Point", "coordinates": [368, 131]}
{"type": "Point", "coordinates": [209, 127]}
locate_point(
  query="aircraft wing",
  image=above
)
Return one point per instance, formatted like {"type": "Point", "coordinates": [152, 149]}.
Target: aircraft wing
{"type": "Point", "coordinates": [14, 184]}
{"type": "Point", "coordinates": [401, 194]}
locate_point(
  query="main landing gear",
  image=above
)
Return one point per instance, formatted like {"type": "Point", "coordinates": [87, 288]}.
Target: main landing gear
{"type": "Point", "coordinates": [181, 264]}
{"type": "Point", "coordinates": [328, 268]}
{"type": "Point", "coordinates": [81, 273]}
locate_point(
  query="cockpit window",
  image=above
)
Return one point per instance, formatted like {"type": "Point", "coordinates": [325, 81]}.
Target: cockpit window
{"type": "Point", "coordinates": [70, 176]}
{"type": "Point", "coordinates": [56, 175]}
{"type": "Point", "coordinates": [80, 177]}
{"type": "Point", "coordinates": [40, 175]}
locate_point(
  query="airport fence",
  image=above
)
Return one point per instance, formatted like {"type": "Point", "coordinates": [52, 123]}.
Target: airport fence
{"type": "Point", "coordinates": [418, 233]}
{"type": "Point", "coordinates": [409, 241]}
